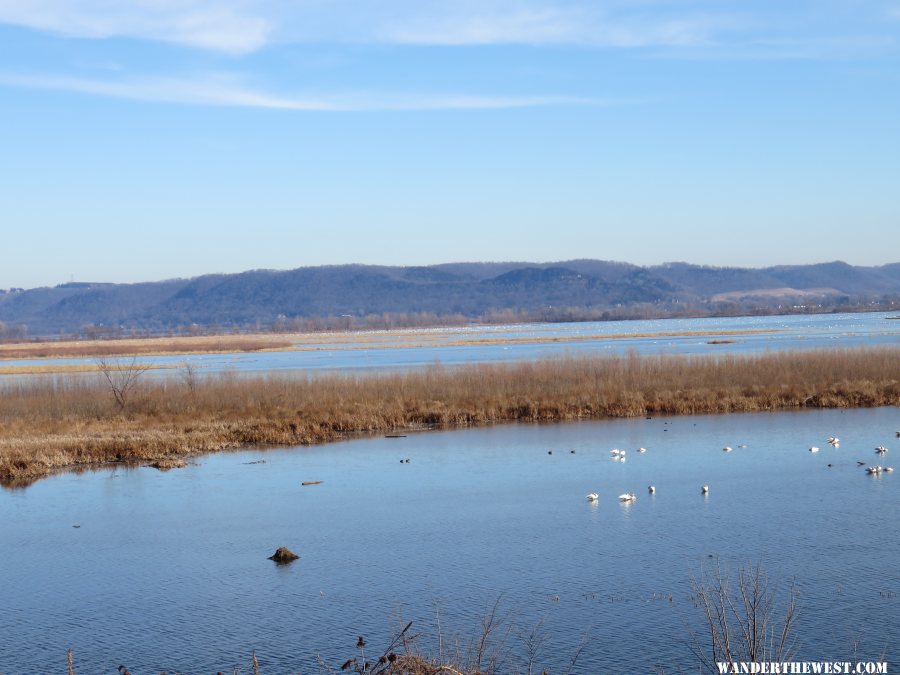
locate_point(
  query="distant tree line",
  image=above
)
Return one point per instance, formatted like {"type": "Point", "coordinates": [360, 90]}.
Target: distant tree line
{"type": "Point", "coordinates": [400, 320]}
{"type": "Point", "coordinates": [15, 333]}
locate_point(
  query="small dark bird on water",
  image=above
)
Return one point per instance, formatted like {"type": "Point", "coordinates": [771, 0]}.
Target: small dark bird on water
{"type": "Point", "coordinates": [549, 452]}
{"type": "Point", "coordinates": [124, 670]}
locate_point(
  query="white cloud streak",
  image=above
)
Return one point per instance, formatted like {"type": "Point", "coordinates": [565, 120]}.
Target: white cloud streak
{"type": "Point", "coordinates": [219, 26]}
{"type": "Point", "coordinates": [227, 91]}
{"type": "Point", "coordinates": [239, 27]}
{"type": "Point", "coordinates": [243, 26]}
{"type": "Point", "coordinates": [552, 26]}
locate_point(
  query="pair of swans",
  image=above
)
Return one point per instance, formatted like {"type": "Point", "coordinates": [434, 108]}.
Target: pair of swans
{"type": "Point", "coordinates": [627, 497]}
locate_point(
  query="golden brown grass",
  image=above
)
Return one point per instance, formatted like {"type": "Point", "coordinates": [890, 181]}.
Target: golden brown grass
{"type": "Point", "coordinates": [45, 369]}
{"type": "Point", "coordinates": [143, 346]}
{"type": "Point", "coordinates": [60, 421]}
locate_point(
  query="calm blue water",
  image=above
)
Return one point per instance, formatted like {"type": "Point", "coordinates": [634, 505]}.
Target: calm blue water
{"type": "Point", "coordinates": [168, 570]}
{"type": "Point", "coordinates": [451, 346]}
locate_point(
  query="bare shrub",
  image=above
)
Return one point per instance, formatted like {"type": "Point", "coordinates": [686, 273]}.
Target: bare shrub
{"type": "Point", "coordinates": [122, 377]}
{"type": "Point", "coordinates": [746, 620]}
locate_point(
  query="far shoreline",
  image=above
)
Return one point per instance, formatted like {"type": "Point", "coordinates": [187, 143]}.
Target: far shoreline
{"type": "Point", "coordinates": [209, 341]}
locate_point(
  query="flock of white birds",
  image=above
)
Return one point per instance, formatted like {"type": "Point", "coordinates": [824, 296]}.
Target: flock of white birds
{"type": "Point", "coordinates": [618, 455]}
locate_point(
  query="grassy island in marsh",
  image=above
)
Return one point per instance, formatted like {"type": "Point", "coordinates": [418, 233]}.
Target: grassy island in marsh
{"type": "Point", "coordinates": [67, 421]}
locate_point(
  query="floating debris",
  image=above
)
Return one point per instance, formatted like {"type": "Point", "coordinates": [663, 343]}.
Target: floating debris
{"type": "Point", "coordinates": [311, 482]}
{"type": "Point", "coordinates": [395, 435]}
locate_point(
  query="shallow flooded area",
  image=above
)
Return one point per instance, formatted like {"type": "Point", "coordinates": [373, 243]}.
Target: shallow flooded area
{"type": "Point", "coordinates": [404, 349]}
{"type": "Point", "coordinates": [169, 571]}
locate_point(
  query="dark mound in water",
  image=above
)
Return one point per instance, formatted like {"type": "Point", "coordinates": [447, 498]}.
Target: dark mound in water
{"type": "Point", "coordinates": [169, 463]}
{"type": "Point", "coordinates": [284, 555]}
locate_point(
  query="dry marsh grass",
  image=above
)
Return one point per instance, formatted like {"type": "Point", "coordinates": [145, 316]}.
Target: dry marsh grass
{"type": "Point", "coordinates": [142, 346]}
{"type": "Point", "coordinates": [62, 421]}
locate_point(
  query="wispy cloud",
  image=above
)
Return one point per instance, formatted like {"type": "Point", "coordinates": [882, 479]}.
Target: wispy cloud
{"type": "Point", "coordinates": [219, 90]}
{"type": "Point", "coordinates": [242, 26]}
{"type": "Point", "coordinates": [218, 25]}
{"type": "Point", "coordinates": [570, 25]}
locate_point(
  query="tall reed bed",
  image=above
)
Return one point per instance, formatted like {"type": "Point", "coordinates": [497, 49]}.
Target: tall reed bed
{"type": "Point", "coordinates": [68, 420]}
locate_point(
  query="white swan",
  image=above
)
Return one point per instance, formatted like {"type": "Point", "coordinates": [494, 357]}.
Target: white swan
{"type": "Point", "coordinates": [615, 452]}
{"type": "Point", "coordinates": [880, 450]}
{"type": "Point", "coordinates": [642, 449]}
{"type": "Point", "coordinates": [889, 469]}
{"type": "Point", "coordinates": [727, 448]}
{"type": "Point", "coordinates": [704, 490]}
{"type": "Point", "coordinates": [834, 440]}
{"type": "Point", "coordinates": [813, 449]}
{"type": "Point", "coordinates": [873, 470]}
{"type": "Point", "coordinates": [593, 496]}
{"type": "Point", "coordinates": [651, 489]}
{"type": "Point", "coordinates": [627, 497]}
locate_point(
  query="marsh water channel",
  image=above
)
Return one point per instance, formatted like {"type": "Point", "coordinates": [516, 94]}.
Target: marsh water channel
{"type": "Point", "coordinates": [375, 351]}
{"type": "Point", "coordinates": [169, 571]}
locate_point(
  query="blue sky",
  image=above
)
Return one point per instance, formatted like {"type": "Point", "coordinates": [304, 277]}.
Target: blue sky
{"type": "Point", "coordinates": [171, 138]}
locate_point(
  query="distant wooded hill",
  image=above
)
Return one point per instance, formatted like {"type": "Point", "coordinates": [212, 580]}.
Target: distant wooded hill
{"type": "Point", "coordinates": [375, 295]}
